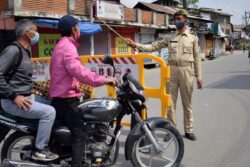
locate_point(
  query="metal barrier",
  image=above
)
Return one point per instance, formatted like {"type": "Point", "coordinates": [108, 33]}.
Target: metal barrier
{"type": "Point", "coordinates": [132, 62]}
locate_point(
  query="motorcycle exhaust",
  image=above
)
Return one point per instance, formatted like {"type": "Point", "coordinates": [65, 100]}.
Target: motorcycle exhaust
{"type": "Point", "coordinates": [11, 163]}
{"type": "Point", "coordinates": [116, 139]}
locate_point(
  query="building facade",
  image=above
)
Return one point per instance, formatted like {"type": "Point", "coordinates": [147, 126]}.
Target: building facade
{"type": "Point", "coordinates": [220, 30]}
{"type": "Point", "coordinates": [124, 20]}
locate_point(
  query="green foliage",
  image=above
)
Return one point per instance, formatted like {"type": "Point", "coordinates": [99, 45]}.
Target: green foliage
{"type": "Point", "coordinates": [191, 3]}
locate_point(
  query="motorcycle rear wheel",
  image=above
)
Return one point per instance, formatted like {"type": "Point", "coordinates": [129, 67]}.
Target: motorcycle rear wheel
{"type": "Point", "coordinates": [18, 146]}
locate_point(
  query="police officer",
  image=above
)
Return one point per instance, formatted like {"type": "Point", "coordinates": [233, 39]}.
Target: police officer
{"type": "Point", "coordinates": [185, 63]}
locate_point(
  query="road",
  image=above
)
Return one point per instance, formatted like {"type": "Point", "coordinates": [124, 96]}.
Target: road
{"type": "Point", "coordinates": [221, 114]}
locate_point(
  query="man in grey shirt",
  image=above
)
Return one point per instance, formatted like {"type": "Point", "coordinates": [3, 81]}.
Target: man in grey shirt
{"type": "Point", "coordinates": [15, 89]}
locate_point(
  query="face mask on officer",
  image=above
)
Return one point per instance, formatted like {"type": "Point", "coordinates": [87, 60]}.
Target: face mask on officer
{"type": "Point", "coordinates": [180, 21]}
{"type": "Point", "coordinates": [179, 24]}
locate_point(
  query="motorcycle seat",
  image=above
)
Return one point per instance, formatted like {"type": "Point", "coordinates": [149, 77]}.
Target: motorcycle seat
{"type": "Point", "coordinates": [6, 115]}
{"type": "Point", "coordinates": [15, 119]}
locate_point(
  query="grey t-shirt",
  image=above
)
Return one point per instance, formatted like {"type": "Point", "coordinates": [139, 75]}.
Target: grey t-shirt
{"type": "Point", "coordinates": [21, 82]}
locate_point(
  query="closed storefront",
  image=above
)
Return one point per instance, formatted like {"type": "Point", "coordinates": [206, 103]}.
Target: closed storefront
{"type": "Point", "coordinates": [202, 45]}
{"type": "Point", "coordinates": [118, 45]}
{"type": "Point", "coordinates": [101, 43]}
{"type": "Point", "coordinates": [219, 47]}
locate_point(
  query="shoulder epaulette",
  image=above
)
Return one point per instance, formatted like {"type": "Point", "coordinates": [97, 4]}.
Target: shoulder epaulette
{"type": "Point", "coordinates": [193, 33]}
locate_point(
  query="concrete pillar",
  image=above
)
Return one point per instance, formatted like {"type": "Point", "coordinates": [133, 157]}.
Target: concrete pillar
{"type": "Point", "coordinates": [139, 19]}
{"type": "Point", "coordinates": [154, 18]}
{"type": "Point", "coordinates": [109, 42]}
{"type": "Point", "coordinates": [15, 5]}
{"type": "Point", "coordinates": [167, 20]}
{"type": "Point", "coordinates": [91, 19]}
{"type": "Point", "coordinates": [71, 7]}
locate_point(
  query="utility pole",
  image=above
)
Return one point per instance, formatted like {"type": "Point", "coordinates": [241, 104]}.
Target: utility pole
{"type": "Point", "coordinates": [71, 7]}
{"type": "Point", "coordinates": [92, 47]}
{"type": "Point", "coordinates": [185, 4]}
{"type": "Point", "coordinates": [247, 22]}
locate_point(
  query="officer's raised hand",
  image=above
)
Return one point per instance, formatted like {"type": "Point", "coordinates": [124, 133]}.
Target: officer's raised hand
{"type": "Point", "coordinates": [131, 43]}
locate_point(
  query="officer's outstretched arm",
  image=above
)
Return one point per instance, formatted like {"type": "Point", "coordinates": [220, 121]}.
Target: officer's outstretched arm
{"type": "Point", "coordinates": [152, 47]}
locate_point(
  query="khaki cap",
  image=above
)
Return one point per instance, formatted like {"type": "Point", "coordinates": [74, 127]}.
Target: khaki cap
{"type": "Point", "coordinates": [181, 12]}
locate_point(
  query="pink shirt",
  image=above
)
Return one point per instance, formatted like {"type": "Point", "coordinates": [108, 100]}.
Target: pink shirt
{"type": "Point", "coordinates": [66, 71]}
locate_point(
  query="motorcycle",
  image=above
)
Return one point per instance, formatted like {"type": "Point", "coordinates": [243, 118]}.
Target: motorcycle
{"type": "Point", "coordinates": [211, 55]}
{"type": "Point", "coordinates": [153, 142]}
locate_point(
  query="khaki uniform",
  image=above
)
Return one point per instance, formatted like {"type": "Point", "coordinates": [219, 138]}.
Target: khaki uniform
{"type": "Point", "coordinates": [185, 63]}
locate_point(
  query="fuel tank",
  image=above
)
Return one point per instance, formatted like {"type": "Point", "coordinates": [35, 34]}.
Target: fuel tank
{"type": "Point", "coordinates": [100, 109]}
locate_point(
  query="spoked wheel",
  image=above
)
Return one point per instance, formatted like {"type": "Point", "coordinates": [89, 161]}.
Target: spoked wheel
{"type": "Point", "coordinates": [18, 147]}
{"type": "Point", "coordinates": [171, 149]}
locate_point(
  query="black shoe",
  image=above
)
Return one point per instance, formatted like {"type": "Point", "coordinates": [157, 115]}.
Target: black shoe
{"type": "Point", "coordinates": [167, 138]}
{"type": "Point", "coordinates": [44, 155]}
{"type": "Point", "coordinates": [190, 136]}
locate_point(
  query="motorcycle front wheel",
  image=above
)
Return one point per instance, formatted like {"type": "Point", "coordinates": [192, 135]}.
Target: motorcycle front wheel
{"type": "Point", "coordinates": [170, 142]}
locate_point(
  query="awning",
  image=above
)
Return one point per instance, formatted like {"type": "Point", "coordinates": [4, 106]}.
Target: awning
{"type": "Point", "coordinates": [86, 28]}
{"type": "Point", "coordinates": [171, 26]}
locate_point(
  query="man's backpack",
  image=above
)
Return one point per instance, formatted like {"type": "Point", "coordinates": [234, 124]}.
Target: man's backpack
{"type": "Point", "coordinates": [12, 71]}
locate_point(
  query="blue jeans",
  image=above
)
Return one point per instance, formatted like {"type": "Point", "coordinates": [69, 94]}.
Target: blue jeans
{"type": "Point", "coordinates": [45, 113]}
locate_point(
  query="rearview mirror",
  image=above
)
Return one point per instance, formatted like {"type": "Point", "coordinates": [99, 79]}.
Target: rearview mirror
{"type": "Point", "coordinates": [108, 60]}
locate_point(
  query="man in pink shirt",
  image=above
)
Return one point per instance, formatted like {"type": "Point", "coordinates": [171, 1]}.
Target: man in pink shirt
{"type": "Point", "coordinates": [66, 73]}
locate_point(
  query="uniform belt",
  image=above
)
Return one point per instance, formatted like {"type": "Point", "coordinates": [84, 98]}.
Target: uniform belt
{"type": "Point", "coordinates": [180, 63]}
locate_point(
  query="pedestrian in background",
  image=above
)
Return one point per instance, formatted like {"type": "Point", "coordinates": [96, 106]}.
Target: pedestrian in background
{"type": "Point", "coordinates": [249, 55]}
{"type": "Point", "coordinates": [232, 48]}
{"type": "Point", "coordinates": [185, 63]}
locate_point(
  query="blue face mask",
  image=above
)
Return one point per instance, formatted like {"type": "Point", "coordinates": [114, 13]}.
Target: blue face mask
{"type": "Point", "coordinates": [179, 24]}
{"type": "Point", "coordinates": [34, 40]}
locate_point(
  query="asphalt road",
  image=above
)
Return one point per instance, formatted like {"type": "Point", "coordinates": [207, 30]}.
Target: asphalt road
{"type": "Point", "coordinates": [221, 115]}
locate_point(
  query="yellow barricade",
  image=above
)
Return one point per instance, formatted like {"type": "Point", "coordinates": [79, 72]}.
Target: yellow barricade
{"type": "Point", "coordinates": [124, 61]}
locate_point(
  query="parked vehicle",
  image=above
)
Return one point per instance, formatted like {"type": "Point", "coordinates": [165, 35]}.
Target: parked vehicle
{"type": "Point", "coordinates": [148, 140]}
{"type": "Point", "coordinates": [211, 55]}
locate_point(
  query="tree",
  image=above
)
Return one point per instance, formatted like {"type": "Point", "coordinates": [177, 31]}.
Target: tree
{"type": "Point", "coordinates": [189, 3]}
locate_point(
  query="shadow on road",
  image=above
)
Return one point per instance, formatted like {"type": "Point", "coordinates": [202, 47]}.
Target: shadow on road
{"type": "Point", "coordinates": [227, 72]}
{"type": "Point", "coordinates": [234, 82]}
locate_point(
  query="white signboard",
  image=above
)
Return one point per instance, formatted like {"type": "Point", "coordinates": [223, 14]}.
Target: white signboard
{"type": "Point", "coordinates": [109, 10]}
{"type": "Point", "coordinates": [122, 65]}
{"type": "Point", "coordinates": [40, 71]}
